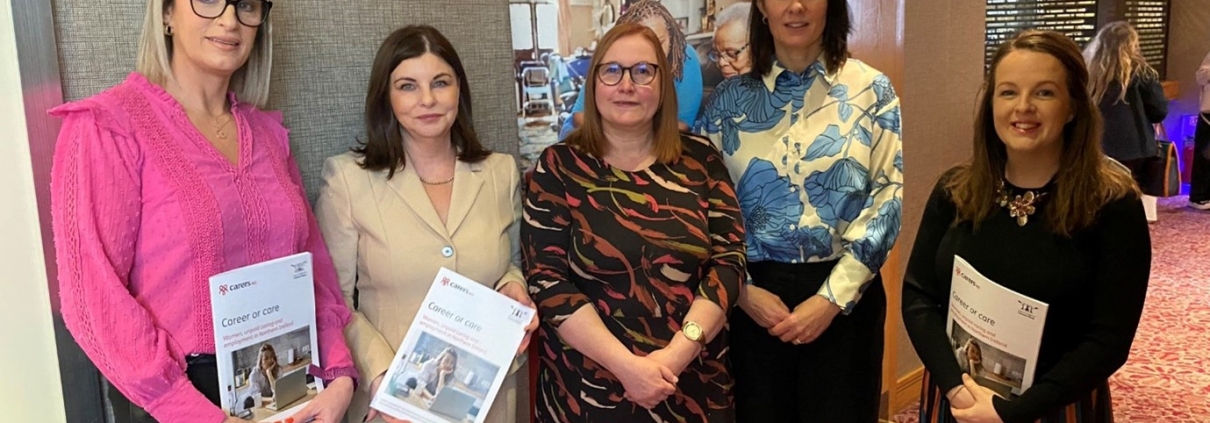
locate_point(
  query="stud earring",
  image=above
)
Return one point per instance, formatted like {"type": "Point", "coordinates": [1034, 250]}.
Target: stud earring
{"type": "Point", "coordinates": [168, 30]}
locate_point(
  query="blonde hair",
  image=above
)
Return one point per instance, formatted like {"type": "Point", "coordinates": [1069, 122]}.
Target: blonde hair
{"type": "Point", "coordinates": [250, 82]}
{"type": "Point", "coordinates": [590, 138]}
{"type": "Point", "coordinates": [1114, 56]}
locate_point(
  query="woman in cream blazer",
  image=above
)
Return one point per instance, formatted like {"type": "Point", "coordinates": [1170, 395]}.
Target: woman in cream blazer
{"type": "Point", "coordinates": [452, 204]}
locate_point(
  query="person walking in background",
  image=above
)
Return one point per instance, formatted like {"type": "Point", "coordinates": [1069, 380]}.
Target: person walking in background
{"type": "Point", "coordinates": [1130, 98]}
{"type": "Point", "coordinates": [1199, 184]}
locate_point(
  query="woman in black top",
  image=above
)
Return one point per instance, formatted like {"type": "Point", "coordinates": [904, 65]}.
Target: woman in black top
{"type": "Point", "coordinates": [1130, 97]}
{"type": "Point", "coordinates": [1039, 210]}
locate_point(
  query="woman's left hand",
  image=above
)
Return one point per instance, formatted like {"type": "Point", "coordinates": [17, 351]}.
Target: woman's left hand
{"type": "Point", "coordinates": [807, 321]}
{"type": "Point", "coordinates": [983, 411]}
{"type": "Point", "coordinates": [330, 405]}
{"type": "Point", "coordinates": [518, 294]}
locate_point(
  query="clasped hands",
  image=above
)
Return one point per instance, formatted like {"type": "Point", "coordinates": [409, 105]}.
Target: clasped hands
{"type": "Point", "coordinates": [651, 379]}
{"type": "Point", "coordinates": [803, 325]}
{"type": "Point", "coordinates": [972, 403]}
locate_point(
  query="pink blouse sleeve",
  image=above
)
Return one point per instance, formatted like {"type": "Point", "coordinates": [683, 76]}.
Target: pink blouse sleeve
{"type": "Point", "coordinates": [95, 206]}
{"type": "Point", "coordinates": [331, 313]}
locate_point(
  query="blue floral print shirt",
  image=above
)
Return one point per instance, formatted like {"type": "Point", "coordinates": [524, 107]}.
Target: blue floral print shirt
{"type": "Point", "coordinates": [818, 164]}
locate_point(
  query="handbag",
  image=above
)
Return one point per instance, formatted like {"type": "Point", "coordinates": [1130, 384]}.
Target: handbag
{"type": "Point", "coordinates": [1162, 173]}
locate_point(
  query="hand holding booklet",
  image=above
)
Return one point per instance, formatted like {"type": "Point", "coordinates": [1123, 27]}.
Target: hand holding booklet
{"type": "Point", "coordinates": [455, 355]}
{"type": "Point", "coordinates": [996, 332]}
{"type": "Point", "coordinates": [265, 338]}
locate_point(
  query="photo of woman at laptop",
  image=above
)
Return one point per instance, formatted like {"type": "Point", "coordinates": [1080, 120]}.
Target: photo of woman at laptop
{"type": "Point", "coordinates": [434, 374]}
{"type": "Point", "coordinates": [271, 376]}
{"type": "Point", "coordinates": [446, 381]}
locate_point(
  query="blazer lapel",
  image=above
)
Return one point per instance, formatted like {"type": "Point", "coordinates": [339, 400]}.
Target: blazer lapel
{"type": "Point", "coordinates": [406, 184]}
{"type": "Point", "coordinates": [467, 185]}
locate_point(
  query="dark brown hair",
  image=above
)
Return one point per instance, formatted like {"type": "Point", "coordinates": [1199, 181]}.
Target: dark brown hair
{"type": "Point", "coordinates": [590, 137]}
{"type": "Point", "coordinates": [837, 27]}
{"type": "Point", "coordinates": [1086, 180]}
{"type": "Point", "coordinates": [383, 145]}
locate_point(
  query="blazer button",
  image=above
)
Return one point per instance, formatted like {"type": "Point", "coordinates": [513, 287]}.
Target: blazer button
{"type": "Point", "coordinates": [447, 252]}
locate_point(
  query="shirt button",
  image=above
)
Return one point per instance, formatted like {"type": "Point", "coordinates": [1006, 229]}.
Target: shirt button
{"type": "Point", "coordinates": [447, 252]}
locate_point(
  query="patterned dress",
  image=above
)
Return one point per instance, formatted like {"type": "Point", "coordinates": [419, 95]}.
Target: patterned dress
{"type": "Point", "coordinates": [639, 247]}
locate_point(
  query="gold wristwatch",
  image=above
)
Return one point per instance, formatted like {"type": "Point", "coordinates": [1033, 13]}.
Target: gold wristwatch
{"type": "Point", "coordinates": [694, 332]}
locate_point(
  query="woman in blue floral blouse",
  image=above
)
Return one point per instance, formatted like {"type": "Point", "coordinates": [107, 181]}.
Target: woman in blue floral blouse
{"type": "Point", "coordinates": [813, 139]}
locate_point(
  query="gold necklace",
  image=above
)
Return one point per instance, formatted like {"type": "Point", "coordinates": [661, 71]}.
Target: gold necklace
{"type": "Point", "coordinates": [1022, 206]}
{"type": "Point", "coordinates": [219, 127]}
{"type": "Point", "coordinates": [427, 182]}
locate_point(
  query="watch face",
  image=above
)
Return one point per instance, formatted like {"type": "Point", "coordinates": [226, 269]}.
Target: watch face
{"type": "Point", "coordinates": [693, 331]}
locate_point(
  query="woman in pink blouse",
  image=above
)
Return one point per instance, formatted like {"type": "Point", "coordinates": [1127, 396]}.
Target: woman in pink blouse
{"type": "Point", "coordinates": [168, 178]}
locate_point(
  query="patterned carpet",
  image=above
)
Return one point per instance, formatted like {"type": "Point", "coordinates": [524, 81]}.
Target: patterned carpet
{"type": "Point", "coordinates": [1167, 378]}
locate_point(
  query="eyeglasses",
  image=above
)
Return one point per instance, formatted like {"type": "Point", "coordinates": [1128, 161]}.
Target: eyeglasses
{"type": "Point", "coordinates": [730, 55]}
{"type": "Point", "coordinates": [641, 73]}
{"type": "Point", "coordinates": [248, 12]}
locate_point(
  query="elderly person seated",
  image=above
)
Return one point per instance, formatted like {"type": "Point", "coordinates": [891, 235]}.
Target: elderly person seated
{"type": "Point", "coordinates": [634, 253]}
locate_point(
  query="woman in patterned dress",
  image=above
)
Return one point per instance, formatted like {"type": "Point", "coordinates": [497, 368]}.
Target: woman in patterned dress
{"type": "Point", "coordinates": [634, 253]}
{"type": "Point", "coordinates": [812, 140]}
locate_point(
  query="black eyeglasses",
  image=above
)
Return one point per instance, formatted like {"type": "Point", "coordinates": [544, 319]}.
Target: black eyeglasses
{"type": "Point", "coordinates": [641, 73]}
{"type": "Point", "coordinates": [729, 55]}
{"type": "Point", "coordinates": [248, 12]}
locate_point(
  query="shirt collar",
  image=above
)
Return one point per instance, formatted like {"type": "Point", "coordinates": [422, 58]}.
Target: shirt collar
{"type": "Point", "coordinates": [815, 69]}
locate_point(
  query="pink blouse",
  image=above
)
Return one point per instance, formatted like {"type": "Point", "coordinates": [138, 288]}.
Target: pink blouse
{"type": "Point", "coordinates": [145, 210]}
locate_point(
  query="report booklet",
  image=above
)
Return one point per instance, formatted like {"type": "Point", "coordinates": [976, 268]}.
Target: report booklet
{"type": "Point", "coordinates": [455, 355]}
{"type": "Point", "coordinates": [265, 337]}
{"type": "Point", "coordinates": [995, 331]}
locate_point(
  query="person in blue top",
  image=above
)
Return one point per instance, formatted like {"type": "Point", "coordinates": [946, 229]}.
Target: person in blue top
{"type": "Point", "coordinates": [686, 69]}
{"type": "Point", "coordinates": [812, 139]}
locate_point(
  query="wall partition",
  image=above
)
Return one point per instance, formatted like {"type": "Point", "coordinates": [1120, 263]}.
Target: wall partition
{"type": "Point", "coordinates": [322, 53]}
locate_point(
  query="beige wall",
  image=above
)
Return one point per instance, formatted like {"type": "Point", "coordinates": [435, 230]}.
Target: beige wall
{"type": "Point", "coordinates": [29, 389]}
{"type": "Point", "coordinates": [1188, 43]}
{"type": "Point", "coordinates": [943, 69]}
{"type": "Point", "coordinates": [581, 28]}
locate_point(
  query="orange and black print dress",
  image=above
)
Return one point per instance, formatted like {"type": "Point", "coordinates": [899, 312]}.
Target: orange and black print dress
{"type": "Point", "coordinates": [639, 247]}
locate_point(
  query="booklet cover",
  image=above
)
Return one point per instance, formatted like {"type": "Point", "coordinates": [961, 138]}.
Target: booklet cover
{"type": "Point", "coordinates": [455, 355]}
{"type": "Point", "coordinates": [995, 332]}
{"type": "Point", "coordinates": [265, 337]}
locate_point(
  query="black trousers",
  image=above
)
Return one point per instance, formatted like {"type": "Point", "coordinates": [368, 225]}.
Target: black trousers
{"type": "Point", "coordinates": [1199, 181]}
{"type": "Point", "coordinates": [202, 371]}
{"type": "Point", "coordinates": [835, 379]}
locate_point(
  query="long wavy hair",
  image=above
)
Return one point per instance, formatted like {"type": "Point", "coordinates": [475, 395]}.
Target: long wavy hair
{"type": "Point", "coordinates": [644, 9]}
{"type": "Point", "coordinates": [382, 148]}
{"type": "Point", "coordinates": [1086, 180]}
{"type": "Point", "coordinates": [1114, 57]}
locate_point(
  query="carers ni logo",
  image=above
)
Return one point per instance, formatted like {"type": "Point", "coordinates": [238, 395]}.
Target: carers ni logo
{"type": "Point", "coordinates": [447, 282]}
{"type": "Point", "coordinates": [223, 289]}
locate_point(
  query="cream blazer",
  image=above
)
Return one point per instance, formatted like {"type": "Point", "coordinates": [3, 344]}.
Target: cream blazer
{"type": "Point", "coordinates": [388, 243]}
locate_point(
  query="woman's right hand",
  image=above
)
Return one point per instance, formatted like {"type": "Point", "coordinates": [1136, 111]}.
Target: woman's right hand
{"type": "Point", "coordinates": [762, 306]}
{"type": "Point", "coordinates": [647, 382]}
